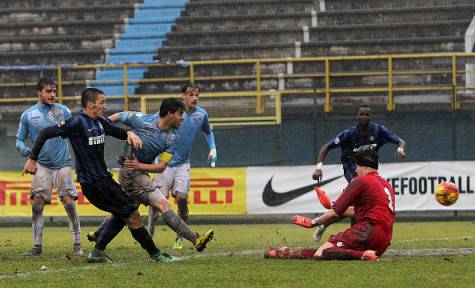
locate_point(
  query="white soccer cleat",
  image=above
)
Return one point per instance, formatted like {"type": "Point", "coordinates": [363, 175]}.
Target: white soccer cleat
{"type": "Point", "coordinates": [317, 235]}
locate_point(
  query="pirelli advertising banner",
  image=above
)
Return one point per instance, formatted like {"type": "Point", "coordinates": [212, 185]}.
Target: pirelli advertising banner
{"type": "Point", "coordinates": [290, 189]}
{"type": "Point", "coordinates": [218, 191]}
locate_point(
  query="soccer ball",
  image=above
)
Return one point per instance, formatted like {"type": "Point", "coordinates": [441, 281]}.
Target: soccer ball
{"type": "Point", "coordinates": [446, 193]}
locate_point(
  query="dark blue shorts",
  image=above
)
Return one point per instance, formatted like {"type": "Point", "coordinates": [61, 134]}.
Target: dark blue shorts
{"type": "Point", "coordinates": [107, 195]}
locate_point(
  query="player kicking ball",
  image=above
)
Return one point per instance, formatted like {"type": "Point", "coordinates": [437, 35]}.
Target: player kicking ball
{"type": "Point", "coordinates": [372, 204]}
{"type": "Point", "coordinates": [158, 133]}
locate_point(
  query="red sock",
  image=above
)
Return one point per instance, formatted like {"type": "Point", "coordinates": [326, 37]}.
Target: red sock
{"type": "Point", "coordinates": [336, 253]}
{"type": "Point", "coordinates": [291, 254]}
{"type": "Point", "coordinates": [302, 253]}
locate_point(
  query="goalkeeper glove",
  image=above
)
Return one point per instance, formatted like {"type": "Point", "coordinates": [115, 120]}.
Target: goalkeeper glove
{"type": "Point", "coordinates": [303, 221]}
{"type": "Point", "coordinates": [323, 198]}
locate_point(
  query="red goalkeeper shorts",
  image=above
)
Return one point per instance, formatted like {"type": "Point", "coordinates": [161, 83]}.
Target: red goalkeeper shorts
{"type": "Point", "coordinates": [363, 236]}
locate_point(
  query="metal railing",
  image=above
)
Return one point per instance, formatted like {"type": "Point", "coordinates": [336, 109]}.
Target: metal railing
{"type": "Point", "coordinates": [455, 67]}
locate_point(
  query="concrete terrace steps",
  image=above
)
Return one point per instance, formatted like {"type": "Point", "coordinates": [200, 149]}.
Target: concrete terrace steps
{"type": "Point", "coordinates": [320, 33]}
{"type": "Point", "coordinates": [53, 57]}
{"type": "Point", "coordinates": [384, 46]}
{"type": "Point", "coordinates": [313, 49]}
{"type": "Point", "coordinates": [240, 37]}
{"type": "Point", "coordinates": [56, 10]}
{"type": "Point", "coordinates": [411, 30]}
{"type": "Point", "coordinates": [364, 16]}
{"type": "Point", "coordinates": [63, 14]}
{"type": "Point", "coordinates": [374, 4]}
{"type": "Point", "coordinates": [253, 21]}
{"type": "Point", "coordinates": [242, 7]}
{"type": "Point", "coordinates": [62, 27]}
{"type": "Point", "coordinates": [28, 4]}
{"type": "Point", "coordinates": [56, 42]}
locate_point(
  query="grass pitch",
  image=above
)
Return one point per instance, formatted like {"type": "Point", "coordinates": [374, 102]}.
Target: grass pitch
{"type": "Point", "coordinates": [423, 254]}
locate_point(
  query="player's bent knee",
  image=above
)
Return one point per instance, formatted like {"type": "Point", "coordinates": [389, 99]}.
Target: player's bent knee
{"type": "Point", "coordinates": [67, 200]}
{"type": "Point", "coordinates": [38, 201]}
{"type": "Point", "coordinates": [163, 205]}
{"type": "Point", "coordinates": [134, 220]}
{"type": "Point", "coordinates": [320, 249]}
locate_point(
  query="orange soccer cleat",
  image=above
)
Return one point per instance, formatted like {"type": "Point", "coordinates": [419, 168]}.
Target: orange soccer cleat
{"type": "Point", "coordinates": [369, 255]}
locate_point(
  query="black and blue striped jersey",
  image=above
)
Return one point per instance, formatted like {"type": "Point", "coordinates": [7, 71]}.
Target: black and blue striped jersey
{"type": "Point", "coordinates": [87, 137]}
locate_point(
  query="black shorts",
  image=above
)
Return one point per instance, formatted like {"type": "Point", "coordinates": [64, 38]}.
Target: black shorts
{"type": "Point", "coordinates": [107, 195]}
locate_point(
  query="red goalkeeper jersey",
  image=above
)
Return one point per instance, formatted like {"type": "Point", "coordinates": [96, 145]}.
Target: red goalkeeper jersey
{"type": "Point", "coordinates": [372, 198]}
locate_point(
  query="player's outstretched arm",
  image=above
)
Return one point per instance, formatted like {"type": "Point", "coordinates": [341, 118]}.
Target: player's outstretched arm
{"type": "Point", "coordinates": [318, 174]}
{"type": "Point", "coordinates": [323, 198]}
{"type": "Point", "coordinates": [45, 134]}
{"type": "Point", "coordinates": [114, 117]}
{"type": "Point", "coordinates": [304, 221]}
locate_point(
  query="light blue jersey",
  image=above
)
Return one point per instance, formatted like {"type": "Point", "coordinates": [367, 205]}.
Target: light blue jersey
{"type": "Point", "coordinates": [154, 140]}
{"type": "Point", "coordinates": [55, 153]}
{"type": "Point", "coordinates": [193, 122]}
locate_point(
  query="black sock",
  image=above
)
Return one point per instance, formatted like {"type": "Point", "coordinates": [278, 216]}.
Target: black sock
{"type": "Point", "coordinates": [143, 237]}
{"type": "Point", "coordinates": [112, 227]}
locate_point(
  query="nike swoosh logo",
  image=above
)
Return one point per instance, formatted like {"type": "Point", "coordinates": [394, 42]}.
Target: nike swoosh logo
{"type": "Point", "coordinates": [272, 198]}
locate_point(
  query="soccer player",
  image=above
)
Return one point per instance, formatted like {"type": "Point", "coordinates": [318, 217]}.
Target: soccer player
{"type": "Point", "coordinates": [87, 132]}
{"type": "Point", "coordinates": [370, 199]}
{"type": "Point", "coordinates": [365, 133]}
{"type": "Point", "coordinates": [54, 164]}
{"type": "Point", "coordinates": [159, 137]}
{"type": "Point", "coordinates": [176, 177]}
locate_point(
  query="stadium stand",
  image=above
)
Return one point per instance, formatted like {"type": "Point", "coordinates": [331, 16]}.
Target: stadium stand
{"type": "Point", "coordinates": [210, 30]}
{"type": "Point", "coordinates": [57, 33]}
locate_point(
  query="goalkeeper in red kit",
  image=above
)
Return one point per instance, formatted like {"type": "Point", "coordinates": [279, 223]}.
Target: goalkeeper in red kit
{"type": "Point", "coordinates": [370, 199]}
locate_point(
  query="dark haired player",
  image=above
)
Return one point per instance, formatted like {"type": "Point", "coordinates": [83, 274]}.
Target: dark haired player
{"type": "Point", "coordinates": [176, 177]}
{"type": "Point", "coordinates": [370, 199]}
{"type": "Point", "coordinates": [159, 137]}
{"type": "Point", "coordinates": [87, 132]}
{"type": "Point", "coordinates": [54, 164]}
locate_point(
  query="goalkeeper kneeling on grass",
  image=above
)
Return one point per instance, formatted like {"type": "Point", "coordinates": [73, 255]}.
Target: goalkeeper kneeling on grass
{"type": "Point", "coordinates": [370, 199]}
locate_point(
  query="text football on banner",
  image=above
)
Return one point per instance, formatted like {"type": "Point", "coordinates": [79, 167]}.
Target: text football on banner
{"type": "Point", "coordinates": [291, 189]}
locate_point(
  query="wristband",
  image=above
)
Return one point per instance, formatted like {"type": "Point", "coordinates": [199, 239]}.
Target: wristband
{"type": "Point", "coordinates": [314, 222]}
{"type": "Point", "coordinates": [319, 165]}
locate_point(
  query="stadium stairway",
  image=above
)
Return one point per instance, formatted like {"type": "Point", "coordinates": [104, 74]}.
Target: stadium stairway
{"type": "Point", "coordinates": [37, 36]}
{"type": "Point", "coordinates": [143, 35]}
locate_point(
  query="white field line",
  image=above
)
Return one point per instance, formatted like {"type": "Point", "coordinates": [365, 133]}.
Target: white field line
{"type": "Point", "coordinates": [433, 239]}
{"type": "Point", "coordinates": [391, 252]}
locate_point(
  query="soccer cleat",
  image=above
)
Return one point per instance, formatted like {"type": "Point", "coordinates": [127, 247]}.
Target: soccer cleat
{"type": "Point", "coordinates": [317, 235]}
{"type": "Point", "coordinates": [77, 250]}
{"type": "Point", "coordinates": [34, 252]}
{"type": "Point", "coordinates": [98, 256]}
{"type": "Point", "coordinates": [281, 252]}
{"type": "Point", "coordinates": [92, 236]}
{"type": "Point", "coordinates": [369, 255]}
{"type": "Point", "coordinates": [178, 244]}
{"type": "Point", "coordinates": [162, 257]}
{"type": "Point", "coordinates": [201, 241]}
